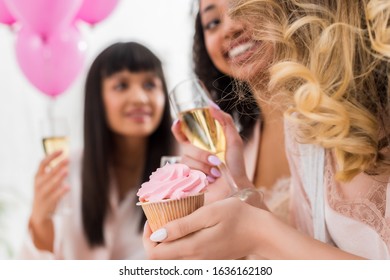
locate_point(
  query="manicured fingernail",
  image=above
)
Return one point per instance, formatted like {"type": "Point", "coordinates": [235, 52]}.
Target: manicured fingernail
{"type": "Point", "coordinates": [215, 172]}
{"type": "Point", "coordinates": [214, 160]}
{"type": "Point", "coordinates": [146, 224]}
{"type": "Point", "coordinates": [175, 122]}
{"type": "Point", "coordinates": [159, 235]}
{"type": "Point", "coordinates": [214, 105]}
{"type": "Point", "coordinates": [210, 179]}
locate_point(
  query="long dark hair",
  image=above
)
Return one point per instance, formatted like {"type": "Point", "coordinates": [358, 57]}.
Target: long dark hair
{"type": "Point", "coordinates": [98, 138]}
{"type": "Point", "coordinates": [231, 95]}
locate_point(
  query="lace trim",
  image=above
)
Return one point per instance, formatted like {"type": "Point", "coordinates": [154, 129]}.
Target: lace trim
{"type": "Point", "coordinates": [277, 198]}
{"type": "Point", "coordinates": [369, 208]}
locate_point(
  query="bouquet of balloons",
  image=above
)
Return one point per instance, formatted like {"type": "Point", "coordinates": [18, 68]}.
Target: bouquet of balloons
{"type": "Point", "coordinates": [49, 47]}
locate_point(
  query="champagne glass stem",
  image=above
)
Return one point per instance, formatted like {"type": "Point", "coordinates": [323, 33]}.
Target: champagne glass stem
{"type": "Point", "coordinates": [229, 178]}
{"type": "Point", "coordinates": [249, 194]}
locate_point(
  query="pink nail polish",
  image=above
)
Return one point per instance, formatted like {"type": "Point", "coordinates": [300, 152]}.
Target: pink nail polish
{"type": "Point", "coordinates": [210, 179]}
{"type": "Point", "coordinates": [215, 172]}
{"type": "Point", "coordinates": [175, 122]}
{"type": "Point", "coordinates": [214, 160]}
{"type": "Point", "coordinates": [214, 105]}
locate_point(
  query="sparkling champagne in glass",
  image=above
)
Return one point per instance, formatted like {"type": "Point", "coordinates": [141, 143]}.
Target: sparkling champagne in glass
{"type": "Point", "coordinates": [203, 131]}
{"type": "Point", "coordinates": [55, 138]}
{"type": "Point", "coordinates": [54, 133]}
{"type": "Point", "coordinates": [190, 101]}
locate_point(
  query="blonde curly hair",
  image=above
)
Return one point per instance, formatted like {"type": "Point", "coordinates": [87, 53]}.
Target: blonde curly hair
{"type": "Point", "coordinates": [331, 65]}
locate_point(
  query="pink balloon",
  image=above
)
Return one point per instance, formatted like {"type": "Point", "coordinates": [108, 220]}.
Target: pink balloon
{"type": "Point", "coordinates": [53, 64]}
{"type": "Point", "coordinates": [5, 16]}
{"type": "Point", "coordinates": [93, 11]}
{"type": "Point", "coordinates": [44, 16]}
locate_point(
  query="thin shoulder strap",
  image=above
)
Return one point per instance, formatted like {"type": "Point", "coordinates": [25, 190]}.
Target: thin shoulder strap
{"type": "Point", "coordinates": [313, 163]}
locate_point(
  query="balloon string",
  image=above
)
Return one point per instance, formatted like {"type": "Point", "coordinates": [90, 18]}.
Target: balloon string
{"type": "Point", "coordinates": [50, 108]}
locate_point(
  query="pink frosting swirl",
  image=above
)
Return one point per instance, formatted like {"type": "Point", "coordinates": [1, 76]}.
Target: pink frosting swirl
{"type": "Point", "coordinates": [173, 181]}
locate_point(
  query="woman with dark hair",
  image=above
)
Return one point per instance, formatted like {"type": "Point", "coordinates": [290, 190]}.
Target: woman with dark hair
{"type": "Point", "coordinates": [221, 49]}
{"type": "Point", "coordinates": [331, 66]}
{"type": "Point", "coordinates": [126, 131]}
{"type": "Point", "coordinates": [232, 95]}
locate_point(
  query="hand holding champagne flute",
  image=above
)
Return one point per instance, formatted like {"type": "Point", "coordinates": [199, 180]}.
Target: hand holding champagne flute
{"type": "Point", "coordinates": [55, 133]}
{"type": "Point", "coordinates": [190, 101]}
{"type": "Point", "coordinates": [50, 183]}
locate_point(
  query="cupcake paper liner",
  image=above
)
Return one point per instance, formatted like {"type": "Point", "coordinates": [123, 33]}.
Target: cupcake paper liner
{"type": "Point", "coordinates": [162, 212]}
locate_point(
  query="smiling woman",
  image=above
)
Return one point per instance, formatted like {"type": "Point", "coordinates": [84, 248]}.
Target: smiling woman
{"type": "Point", "coordinates": [133, 102]}
{"type": "Point", "coordinates": [126, 113]}
{"type": "Point", "coordinates": [229, 42]}
{"type": "Point", "coordinates": [155, 23]}
{"type": "Point", "coordinates": [226, 61]}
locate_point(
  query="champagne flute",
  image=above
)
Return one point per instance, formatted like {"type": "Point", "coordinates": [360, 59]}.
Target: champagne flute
{"type": "Point", "coordinates": [55, 138]}
{"type": "Point", "coordinates": [54, 132]}
{"type": "Point", "coordinates": [190, 101]}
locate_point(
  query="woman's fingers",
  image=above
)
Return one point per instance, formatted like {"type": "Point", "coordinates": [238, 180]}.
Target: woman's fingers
{"type": "Point", "coordinates": [148, 244]}
{"type": "Point", "coordinates": [184, 226]}
{"type": "Point", "coordinates": [200, 159]}
{"type": "Point", "coordinates": [227, 123]}
{"type": "Point", "coordinates": [234, 147]}
{"type": "Point", "coordinates": [191, 237]}
{"type": "Point", "coordinates": [56, 181]}
{"type": "Point", "coordinates": [224, 119]}
{"type": "Point", "coordinates": [58, 193]}
{"type": "Point", "coordinates": [46, 161]}
{"type": "Point", "coordinates": [195, 157]}
{"type": "Point", "coordinates": [45, 179]}
{"type": "Point", "coordinates": [208, 163]}
{"type": "Point", "coordinates": [177, 231]}
{"type": "Point", "coordinates": [49, 187]}
{"type": "Point", "coordinates": [178, 133]}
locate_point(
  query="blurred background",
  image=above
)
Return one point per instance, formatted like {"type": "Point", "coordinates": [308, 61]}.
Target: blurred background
{"type": "Point", "coordinates": [166, 27]}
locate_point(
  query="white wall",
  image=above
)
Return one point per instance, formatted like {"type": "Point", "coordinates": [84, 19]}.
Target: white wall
{"type": "Point", "coordinates": [166, 27]}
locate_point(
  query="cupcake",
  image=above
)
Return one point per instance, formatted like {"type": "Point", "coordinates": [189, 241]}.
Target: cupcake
{"type": "Point", "coordinates": [172, 192]}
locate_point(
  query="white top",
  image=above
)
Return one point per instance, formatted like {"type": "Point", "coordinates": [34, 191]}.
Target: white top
{"type": "Point", "coordinates": [123, 240]}
{"type": "Point", "coordinates": [354, 216]}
